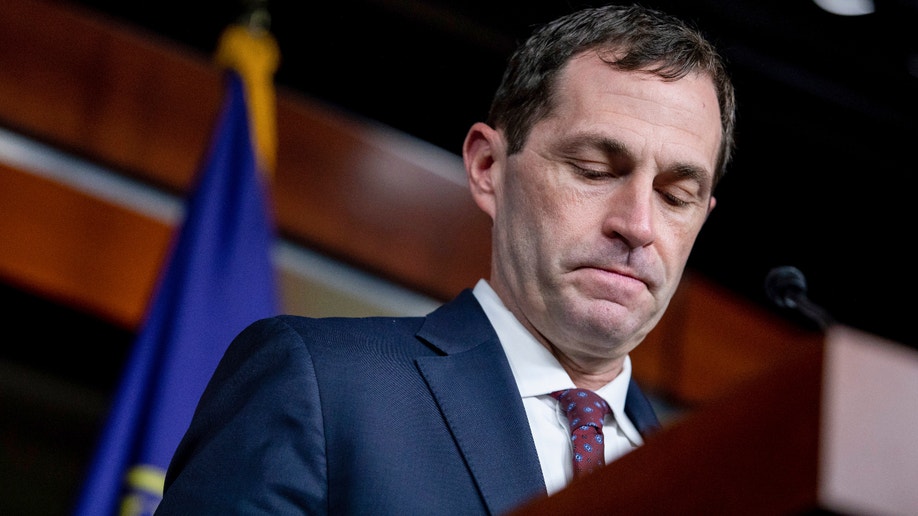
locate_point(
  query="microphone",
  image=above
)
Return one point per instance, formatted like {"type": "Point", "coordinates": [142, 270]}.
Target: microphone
{"type": "Point", "coordinates": [786, 287]}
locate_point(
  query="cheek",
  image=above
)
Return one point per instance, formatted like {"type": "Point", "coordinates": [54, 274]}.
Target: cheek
{"type": "Point", "coordinates": [546, 212]}
{"type": "Point", "coordinates": [529, 227]}
{"type": "Point", "coordinates": [543, 212]}
{"type": "Point", "coordinates": [544, 196]}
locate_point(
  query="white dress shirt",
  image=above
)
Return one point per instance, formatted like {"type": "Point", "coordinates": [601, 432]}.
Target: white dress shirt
{"type": "Point", "coordinates": [538, 373]}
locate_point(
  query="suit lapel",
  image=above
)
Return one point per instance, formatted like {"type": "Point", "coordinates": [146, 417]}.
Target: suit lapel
{"type": "Point", "coordinates": [478, 397]}
{"type": "Point", "coordinates": [640, 411]}
{"type": "Point", "coordinates": [474, 387]}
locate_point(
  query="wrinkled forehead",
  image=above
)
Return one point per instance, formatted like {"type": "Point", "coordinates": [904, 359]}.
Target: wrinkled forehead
{"type": "Point", "coordinates": [593, 95]}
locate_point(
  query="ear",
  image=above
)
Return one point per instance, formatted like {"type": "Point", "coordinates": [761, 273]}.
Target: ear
{"type": "Point", "coordinates": [483, 152]}
{"type": "Point", "coordinates": [711, 205]}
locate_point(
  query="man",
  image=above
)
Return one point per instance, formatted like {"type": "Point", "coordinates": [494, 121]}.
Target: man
{"type": "Point", "coordinates": [606, 138]}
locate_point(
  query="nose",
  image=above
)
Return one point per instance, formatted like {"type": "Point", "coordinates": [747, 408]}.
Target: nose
{"type": "Point", "coordinates": [630, 212]}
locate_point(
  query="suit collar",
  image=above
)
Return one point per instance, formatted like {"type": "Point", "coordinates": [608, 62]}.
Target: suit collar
{"type": "Point", "coordinates": [640, 411]}
{"type": "Point", "coordinates": [461, 324]}
{"type": "Point", "coordinates": [473, 384]}
{"type": "Point", "coordinates": [457, 326]}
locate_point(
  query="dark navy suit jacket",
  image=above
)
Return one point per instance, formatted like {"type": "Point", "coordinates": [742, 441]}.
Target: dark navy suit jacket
{"type": "Point", "coordinates": [409, 415]}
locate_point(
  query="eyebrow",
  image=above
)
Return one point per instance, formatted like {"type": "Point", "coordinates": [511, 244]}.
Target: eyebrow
{"type": "Point", "coordinates": [607, 145]}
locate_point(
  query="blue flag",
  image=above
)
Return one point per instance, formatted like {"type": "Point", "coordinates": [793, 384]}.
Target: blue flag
{"type": "Point", "coordinates": [219, 278]}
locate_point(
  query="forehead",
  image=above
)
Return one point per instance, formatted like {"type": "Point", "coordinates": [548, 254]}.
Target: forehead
{"type": "Point", "coordinates": [639, 106]}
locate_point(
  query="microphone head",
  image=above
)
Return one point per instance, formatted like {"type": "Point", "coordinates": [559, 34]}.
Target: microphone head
{"type": "Point", "coordinates": [785, 285]}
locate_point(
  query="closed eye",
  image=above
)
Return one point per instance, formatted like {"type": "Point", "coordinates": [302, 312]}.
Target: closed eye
{"type": "Point", "coordinates": [685, 186]}
{"type": "Point", "coordinates": [674, 200]}
{"type": "Point", "coordinates": [591, 173]}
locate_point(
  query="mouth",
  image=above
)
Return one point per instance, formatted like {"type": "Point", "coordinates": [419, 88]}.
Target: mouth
{"type": "Point", "coordinates": [617, 275]}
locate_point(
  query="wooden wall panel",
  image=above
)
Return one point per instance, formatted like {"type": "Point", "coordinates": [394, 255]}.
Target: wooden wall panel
{"type": "Point", "coordinates": [710, 343]}
{"type": "Point", "coordinates": [78, 249]}
{"type": "Point", "coordinates": [353, 190]}
{"type": "Point", "coordinates": [143, 106]}
{"type": "Point", "coordinates": [725, 348]}
{"type": "Point", "coordinates": [103, 91]}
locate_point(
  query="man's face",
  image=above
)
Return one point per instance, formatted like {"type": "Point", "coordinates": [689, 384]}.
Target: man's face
{"type": "Point", "coordinates": [595, 218]}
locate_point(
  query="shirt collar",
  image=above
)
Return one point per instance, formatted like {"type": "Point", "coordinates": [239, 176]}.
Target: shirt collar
{"type": "Point", "coordinates": [536, 371]}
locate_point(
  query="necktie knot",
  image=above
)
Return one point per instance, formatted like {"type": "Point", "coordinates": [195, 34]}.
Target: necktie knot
{"type": "Point", "coordinates": [582, 407]}
{"type": "Point", "coordinates": [585, 411]}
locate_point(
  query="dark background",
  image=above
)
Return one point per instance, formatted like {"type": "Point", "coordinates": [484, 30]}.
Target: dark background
{"type": "Point", "coordinates": [823, 177]}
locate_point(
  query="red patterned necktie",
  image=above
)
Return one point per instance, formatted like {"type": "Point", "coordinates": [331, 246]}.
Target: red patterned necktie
{"type": "Point", "coordinates": [585, 411]}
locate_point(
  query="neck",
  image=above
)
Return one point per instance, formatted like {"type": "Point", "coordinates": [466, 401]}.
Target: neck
{"type": "Point", "coordinates": [590, 374]}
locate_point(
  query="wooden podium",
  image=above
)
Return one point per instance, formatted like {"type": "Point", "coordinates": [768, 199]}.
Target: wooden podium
{"type": "Point", "coordinates": [832, 429]}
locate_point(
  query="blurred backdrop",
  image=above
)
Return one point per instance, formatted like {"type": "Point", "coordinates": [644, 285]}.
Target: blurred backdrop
{"type": "Point", "coordinates": [823, 177]}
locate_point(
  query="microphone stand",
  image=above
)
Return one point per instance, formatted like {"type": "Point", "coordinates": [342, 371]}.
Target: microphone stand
{"type": "Point", "coordinates": [786, 287]}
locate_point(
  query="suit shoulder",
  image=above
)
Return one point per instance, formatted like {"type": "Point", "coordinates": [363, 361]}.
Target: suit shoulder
{"type": "Point", "coordinates": [301, 324]}
{"type": "Point", "coordinates": [318, 332]}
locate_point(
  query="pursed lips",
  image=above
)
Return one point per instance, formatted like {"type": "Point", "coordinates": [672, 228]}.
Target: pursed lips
{"type": "Point", "coordinates": [621, 272]}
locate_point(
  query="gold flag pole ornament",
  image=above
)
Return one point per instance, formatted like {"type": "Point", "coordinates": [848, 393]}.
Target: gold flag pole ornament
{"type": "Point", "coordinates": [249, 48]}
